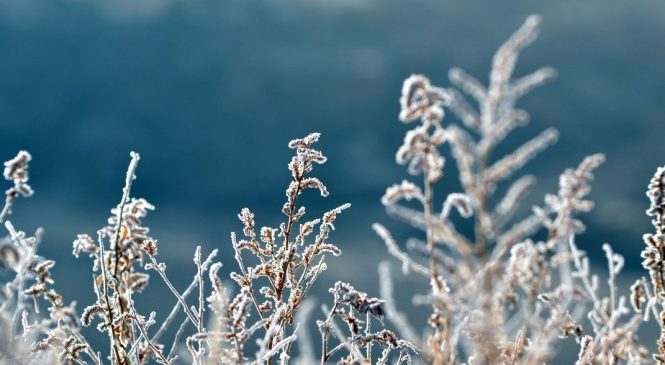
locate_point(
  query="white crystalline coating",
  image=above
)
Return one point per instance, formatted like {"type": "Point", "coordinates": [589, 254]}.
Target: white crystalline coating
{"type": "Point", "coordinates": [505, 58]}
{"type": "Point", "coordinates": [507, 206]}
{"type": "Point", "coordinates": [507, 165]}
{"type": "Point", "coordinates": [498, 268]}
{"type": "Point", "coordinates": [400, 320]}
{"type": "Point", "coordinates": [656, 193]}
{"type": "Point", "coordinates": [523, 264]}
{"type": "Point", "coordinates": [305, 142]}
{"type": "Point", "coordinates": [405, 190]}
{"type": "Point", "coordinates": [496, 293]}
{"type": "Point", "coordinates": [464, 152]}
{"type": "Point", "coordinates": [314, 183]}
{"type": "Point", "coordinates": [575, 185]}
{"type": "Point", "coordinates": [459, 201]}
{"type": "Point", "coordinates": [414, 101]}
{"type": "Point", "coordinates": [467, 83]}
{"type": "Point", "coordinates": [463, 110]}
{"type": "Point", "coordinates": [525, 84]}
{"type": "Point", "coordinates": [393, 249]}
{"type": "Point", "coordinates": [585, 355]}
{"type": "Point", "coordinates": [17, 168]}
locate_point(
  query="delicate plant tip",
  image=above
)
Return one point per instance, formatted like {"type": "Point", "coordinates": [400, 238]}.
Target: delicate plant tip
{"type": "Point", "coordinates": [83, 243]}
{"type": "Point", "coordinates": [314, 183]}
{"type": "Point", "coordinates": [406, 190]}
{"type": "Point", "coordinates": [197, 255]}
{"type": "Point", "coordinates": [135, 157]}
{"type": "Point", "coordinates": [16, 168]}
{"type": "Point", "coordinates": [89, 312]}
{"type": "Point", "coordinates": [414, 101]}
{"type": "Point", "coordinates": [305, 142]}
{"type": "Point", "coordinates": [150, 247]}
{"type": "Point", "coordinates": [420, 99]}
{"type": "Point", "coordinates": [461, 202]}
{"type": "Point", "coordinates": [344, 293]}
{"type": "Point", "coordinates": [656, 194]}
{"type": "Point", "coordinates": [533, 21]}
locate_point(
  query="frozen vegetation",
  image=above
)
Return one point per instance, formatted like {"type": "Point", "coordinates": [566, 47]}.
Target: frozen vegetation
{"type": "Point", "coordinates": [504, 293]}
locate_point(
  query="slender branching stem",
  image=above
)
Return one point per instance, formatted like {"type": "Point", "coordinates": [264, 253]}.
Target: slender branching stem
{"type": "Point", "coordinates": [192, 317]}
{"type": "Point", "coordinates": [287, 237]}
{"type": "Point", "coordinates": [116, 358]}
{"type": "Point", "coordinates": [174, 311]}
{"type": "Point", "coordinates": [324, 342]}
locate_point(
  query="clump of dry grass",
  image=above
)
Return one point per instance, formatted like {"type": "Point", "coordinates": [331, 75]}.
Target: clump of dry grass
{"type": "Point", "coordinates": [286, 263]}
{"type": "Point", "coordinates": [348, 303]}
{"type": "Point", "coordinates": [502, 294]}
{"type": "Point", "coordinates": [28, 335]}
{"type": "Point", "coordinates": [647, 298]}
{"type": "Point", "coordinates": [277, 268]}
{"type": "Point", "coordinates": [499, 295]}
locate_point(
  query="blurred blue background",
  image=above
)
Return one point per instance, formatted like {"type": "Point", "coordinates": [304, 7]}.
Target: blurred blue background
{"type": "Point", "coordinates": [210, 92]}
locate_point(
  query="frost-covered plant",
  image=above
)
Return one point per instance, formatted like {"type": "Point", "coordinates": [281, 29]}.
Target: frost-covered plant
{"type": "Point", "coordinates": [27, 334]}
{"type": "Point", "coordinates": [350, 306]}
{"type": "Point", "coordinates": [272, 288]}
{"type": "Point", "coordinates": [649, 297]}
{"type": "Point", "coordinates": [287, 263]}
{"type": "Point", "coordinates": [288, 259]}
{"type": "Point", "coordinates": [119, 275]}
{"type": "Point", "coordinates": [499, 295]}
